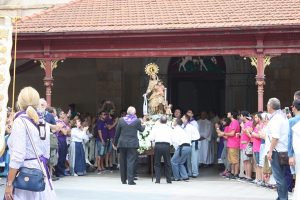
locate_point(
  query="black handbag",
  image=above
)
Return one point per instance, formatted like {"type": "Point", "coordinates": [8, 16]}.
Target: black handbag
{"type": "Point", "coordinates": [283, 158]}
{"type": "Point", "coordinates": [30, 179]}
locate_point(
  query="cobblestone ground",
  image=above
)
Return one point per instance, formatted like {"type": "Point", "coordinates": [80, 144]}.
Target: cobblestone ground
{"type": "Point", "coordinates": [208, 186]}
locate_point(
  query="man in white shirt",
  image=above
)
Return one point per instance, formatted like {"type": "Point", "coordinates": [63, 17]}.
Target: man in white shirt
{"type": "Point", "coordinates": [277, 142]}
{"type": "Point", "coordinates": [182, 144]}
{"type": "Point", "coordinates": [193, 159]}
{"type": "Point", "coordinates": [162, 134]}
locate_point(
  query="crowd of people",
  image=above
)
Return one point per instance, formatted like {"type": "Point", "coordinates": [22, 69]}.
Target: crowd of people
{"type": "Point", "coordinates": [70, 143]}
{"type": "Point", "coordinates": [263, 142]}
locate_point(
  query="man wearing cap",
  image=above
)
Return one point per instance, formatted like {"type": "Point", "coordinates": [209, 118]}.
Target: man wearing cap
{"type": "Point", "coordinates": [293, 144]}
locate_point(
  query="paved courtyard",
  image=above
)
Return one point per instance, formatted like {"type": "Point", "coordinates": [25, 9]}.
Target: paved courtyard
{"type": "Point", "coordinates": [108, 186]}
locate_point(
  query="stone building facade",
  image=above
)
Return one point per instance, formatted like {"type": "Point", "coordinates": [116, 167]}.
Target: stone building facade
{"type": "Point", "coordinates": [87, 82]}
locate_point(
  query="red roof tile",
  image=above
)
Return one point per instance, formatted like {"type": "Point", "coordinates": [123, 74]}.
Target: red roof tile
{"type": "Point", "coordinates": [143, 15]}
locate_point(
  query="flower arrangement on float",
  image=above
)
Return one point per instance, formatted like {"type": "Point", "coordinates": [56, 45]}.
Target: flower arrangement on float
{"type": "Point", "coordinates": [144, 141]}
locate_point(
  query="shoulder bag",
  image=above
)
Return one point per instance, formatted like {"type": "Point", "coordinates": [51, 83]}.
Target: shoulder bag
{"type": "Point", "coordinates": [282, 156]}
{"type": "Point", "coordinates": [30, 179]}
{"type": "Point", "coordinates": [249, 149]}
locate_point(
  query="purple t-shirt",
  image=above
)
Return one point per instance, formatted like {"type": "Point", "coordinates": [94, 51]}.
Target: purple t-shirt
{"type": "Point", "coordinates": [112, 131]}
{"type": "Point", "coordinates": [101, 125]}
{"type": "Point", "coordinates": [60, 136]}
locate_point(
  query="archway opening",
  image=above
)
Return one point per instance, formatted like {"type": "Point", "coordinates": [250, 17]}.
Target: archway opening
{"type": "Point", "coordinates": [197, 83]}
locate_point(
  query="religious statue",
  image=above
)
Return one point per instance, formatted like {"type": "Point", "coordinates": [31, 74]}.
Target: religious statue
{"type": "Point", "coordinates": [155, 97]}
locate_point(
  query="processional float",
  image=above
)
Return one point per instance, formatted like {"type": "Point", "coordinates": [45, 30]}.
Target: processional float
{"type": "Point", "coordinates": [6, 30]}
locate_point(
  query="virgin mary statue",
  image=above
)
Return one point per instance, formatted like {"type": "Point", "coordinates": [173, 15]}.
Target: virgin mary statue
{"type": "Point", "coordinates": [154, 98]}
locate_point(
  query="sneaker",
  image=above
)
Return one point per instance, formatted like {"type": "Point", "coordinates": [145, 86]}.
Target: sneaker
{"type": "Point", "coordinates": [233, 177]}
{"type": "Point", "coordinates": [54, 178]}
{"type": "Point", "coordinates": [75, 174]}
{"type": "Point", "coordinates": [229, 175]}
{"type": "Point", "coordinates": [249, 180]}
{"type": "Point", "coordinates": [236, 176]}
{"type": "Point", "coordinates": [255, 181]}
{"type": "Point", "coordinates": [259, 183]}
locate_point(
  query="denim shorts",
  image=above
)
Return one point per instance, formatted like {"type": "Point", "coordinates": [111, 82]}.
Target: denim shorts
{"type": "Point", "coordinates": [108, 146]}
{"type": "Point", "coordinates": [101, 149]}
{"type": "Point", "coordinates": [256, 157]}
{"type": "Point", "coordinates": [261, 155]}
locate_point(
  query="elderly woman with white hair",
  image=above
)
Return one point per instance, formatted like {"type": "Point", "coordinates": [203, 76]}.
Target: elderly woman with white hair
{"type": "Point", "coordinates": [29, 138]}
{"type": "Point", "coordinates": [127, 142]}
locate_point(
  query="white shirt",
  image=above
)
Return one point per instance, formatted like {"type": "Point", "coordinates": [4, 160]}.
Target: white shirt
{"type": "Point", "coordinates": [278, 128]}
{"type": "Point", "coordinates": [296, 138]}
{"type": "Point", "coordinates": [161, 133]}
{"type": "Point", "coordinates": [78, 135]}
{"type": "Point", "coordinates": [190, 129]}
{"type": "Point", "coordinates": [181, 137]}
{"type": "Point", "coordinates": [194, 123]}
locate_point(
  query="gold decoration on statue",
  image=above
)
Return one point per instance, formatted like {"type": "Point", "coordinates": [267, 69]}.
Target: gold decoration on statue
{"type": "Point", "coordinates": [2, 60]}
{"type": "Point", "coordinates": [3, 34]}
{"type": "Point", "coordinates": [2, 79]}
{"type": "Point", "coordinates": [151, 69]}
{"type": "Point", "coordinates": [2, 49]}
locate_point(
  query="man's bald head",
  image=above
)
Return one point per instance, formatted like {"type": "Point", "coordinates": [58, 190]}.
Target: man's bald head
{"type": "Point", "coordinates": [163, 119]}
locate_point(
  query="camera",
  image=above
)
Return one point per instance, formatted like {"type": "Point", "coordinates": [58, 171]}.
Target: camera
{"type": "Point", "coordinates": [286, 110]}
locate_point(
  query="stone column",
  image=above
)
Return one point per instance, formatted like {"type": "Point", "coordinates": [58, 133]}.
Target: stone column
{"type": "Point", "coordinates": [260, 62]}
{"type": "Point", "coordinates": [48, 65]}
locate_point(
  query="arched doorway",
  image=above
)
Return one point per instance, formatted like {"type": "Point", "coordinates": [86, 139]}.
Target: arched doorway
{"type": "Point", "coordinates": [197, 83]}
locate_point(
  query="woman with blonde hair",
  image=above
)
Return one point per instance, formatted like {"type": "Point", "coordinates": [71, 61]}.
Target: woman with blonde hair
{"type": "Point", "coordinates": [23, 154]}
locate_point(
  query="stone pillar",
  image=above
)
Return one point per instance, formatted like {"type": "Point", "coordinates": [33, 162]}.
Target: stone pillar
{"type": "Point", "coordinates": [48, 65]}
{"type": "Point", "coordinates": [260, 63]}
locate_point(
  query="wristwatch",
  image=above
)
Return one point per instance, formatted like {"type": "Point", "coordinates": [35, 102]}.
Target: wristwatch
{"type": "Point", "coordinates": [8, 184]}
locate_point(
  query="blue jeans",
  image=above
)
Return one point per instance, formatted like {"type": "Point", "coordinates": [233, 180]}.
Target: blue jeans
{"type": "Point", "coordinates": [177, 162]}
{"type": "Point", "coordinates": [193, 161]}
{"type": "Point", "coordinates": [279, 175]}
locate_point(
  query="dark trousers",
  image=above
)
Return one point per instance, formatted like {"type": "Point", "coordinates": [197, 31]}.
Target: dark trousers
{"type": "Point", "coordinates": [62, 154]}
{"type": "Point", "coordinates": [162, 150]}
{"type": "Point", "coordinates": [128, 158]}
{"type": "Point", "coordinates": [278, 173]}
